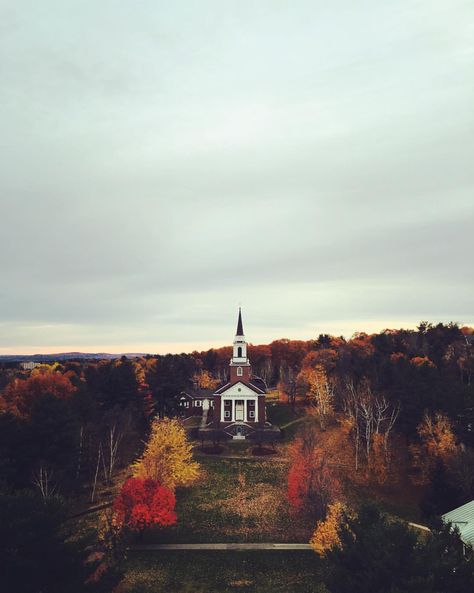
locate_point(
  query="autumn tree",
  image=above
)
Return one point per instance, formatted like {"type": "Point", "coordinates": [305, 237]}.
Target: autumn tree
{"type": "Point", "coordinates": [312, 482]}
{"type": "Point", "coordinates": [144, 503]}
{"type": "Point", "coordinates": [326, 534]}
{"type": "Point", "coordinates": [321, 394]}
{"type": "Point", "coordinates": [436, 443]}
{"type": "Point", "coordinates": [370, 419]}
{"type": "Point", "coordinates": [167, 456]}
{"type": "Point", "coordinates": [204, 380]}
{"type": "Point", "coordinates": [20, 395]}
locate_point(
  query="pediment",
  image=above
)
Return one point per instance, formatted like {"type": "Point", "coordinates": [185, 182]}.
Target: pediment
{"type": "Point", "coordinates": [239, 389]}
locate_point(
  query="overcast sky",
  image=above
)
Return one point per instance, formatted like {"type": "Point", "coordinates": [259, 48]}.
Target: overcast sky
{"type": "Point", "coordinates": [162, 162]}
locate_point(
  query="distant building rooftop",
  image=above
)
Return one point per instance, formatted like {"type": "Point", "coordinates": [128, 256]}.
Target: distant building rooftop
{"type": "Point", "coordinates": [463, 519]}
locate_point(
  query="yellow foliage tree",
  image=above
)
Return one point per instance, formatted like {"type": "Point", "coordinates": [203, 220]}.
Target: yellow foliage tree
{"type": "Point", "coordinates": [168, 456]}
{"type": "Point", "coordinates": [326, 534]}
{"type": "Point", "coordinates": [437, 442]}
{"type": "Point", "coordinates": [321, 394]}
{"type": "Point", "coordinates": [205, 380]}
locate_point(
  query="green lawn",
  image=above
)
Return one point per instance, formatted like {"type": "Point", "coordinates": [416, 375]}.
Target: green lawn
{"type": "Point", "coordinates": [223, 572]}
{"type": "Point", "coordinates": [280, 413]}
{"type": "Point", "coordinates": [235, 501]}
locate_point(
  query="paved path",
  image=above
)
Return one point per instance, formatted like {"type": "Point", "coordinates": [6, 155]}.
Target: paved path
{"type": "Point", "coordinates": [204, 419]}
{"type": "Point", "coordinates": [296, 421]}
{"type": "Point", "coordinates": [272, 458]}
{"type": "Point", "coordinates": [417, 526]}
{"type": "Point", "coordinates": [268, 546]}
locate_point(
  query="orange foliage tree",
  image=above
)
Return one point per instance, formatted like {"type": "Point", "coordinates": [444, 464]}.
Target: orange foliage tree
{"type": "Point", "coordinates": [422, 361]}
{"type": "Point", "coordinates": [19, 395]}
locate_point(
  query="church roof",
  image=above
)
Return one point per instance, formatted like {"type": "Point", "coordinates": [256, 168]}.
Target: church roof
{"type": "Point", "coordinates": [197, 393]}
{"type": "Point", "coordinates": [240, 327]}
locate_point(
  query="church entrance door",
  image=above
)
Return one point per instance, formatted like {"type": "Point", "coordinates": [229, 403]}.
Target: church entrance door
{"type": "Point", "coordinates": [239, 410]}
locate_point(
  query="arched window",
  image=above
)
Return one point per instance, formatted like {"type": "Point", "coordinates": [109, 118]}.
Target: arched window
{"type": "Point", "coordinates": [239, 352]}
{"type": "Point", "coordinates": [240, 371]}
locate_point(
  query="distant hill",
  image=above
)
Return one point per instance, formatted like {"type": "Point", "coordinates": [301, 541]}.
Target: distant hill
{"type": "Point", "coordinates": [66, 356]}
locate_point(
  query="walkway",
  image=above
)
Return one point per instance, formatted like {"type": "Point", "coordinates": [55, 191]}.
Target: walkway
{"type": "Point", "coordinates": [204, 418]}
{"type": "Point", "coordinates": [268, 546]}
{"type": "Point", "coordinates": [274, 458]}
{"type": "Point", "coordinates": [296, 421]}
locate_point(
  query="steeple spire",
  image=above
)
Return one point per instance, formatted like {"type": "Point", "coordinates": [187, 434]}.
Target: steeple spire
{"type": "Point", "coordinates": [240, 328]}
{"type": "Point", "coordinates": [239, 363]}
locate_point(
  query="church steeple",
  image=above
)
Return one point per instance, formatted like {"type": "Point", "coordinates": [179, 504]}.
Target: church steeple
{"type": "Point", "coordinates": [239, 363]}
{"type": "Point", "coordinates": [240, 329]}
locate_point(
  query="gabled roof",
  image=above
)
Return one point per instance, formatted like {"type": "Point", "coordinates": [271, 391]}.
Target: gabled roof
{"type": "Point", "coordinates": [463, 519]}
{"type": "Point", "coordinates": [197, 393]}
{"type": "Point", "coordinates": [248, 384]}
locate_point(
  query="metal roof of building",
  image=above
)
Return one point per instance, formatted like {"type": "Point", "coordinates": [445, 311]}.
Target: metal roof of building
{"type": "Point", "coordinates": [463, 518]}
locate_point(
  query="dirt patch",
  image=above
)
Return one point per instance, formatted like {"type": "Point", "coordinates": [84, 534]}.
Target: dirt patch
{"type": "Point", "coordinates": [262, 451]}
{"type": "Point", "coordinates": [215, 450]}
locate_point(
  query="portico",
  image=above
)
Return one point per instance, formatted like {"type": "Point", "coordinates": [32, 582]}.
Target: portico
{"type": "Point", "coordinates": [242, 409]}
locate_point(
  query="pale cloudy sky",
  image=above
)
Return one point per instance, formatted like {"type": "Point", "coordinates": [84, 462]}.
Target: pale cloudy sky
{"type": "Point", "coordinates": [162, 162]}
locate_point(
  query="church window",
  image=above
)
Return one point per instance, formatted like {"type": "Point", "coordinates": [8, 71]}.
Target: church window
{"type": "Point", "coordinates": [251, 414]}
{"type": "Point", "coordinates": [240, 372]}
{"type": "Point", "coordinates": [239, 352]}
{"type": "Point", "coordinates": [226, 414]}
{"type": "Point", "coordinates": [198, 403]}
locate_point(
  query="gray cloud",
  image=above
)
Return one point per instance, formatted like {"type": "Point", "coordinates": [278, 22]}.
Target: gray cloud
{"type": "Point", "coordinates": [162, 163]}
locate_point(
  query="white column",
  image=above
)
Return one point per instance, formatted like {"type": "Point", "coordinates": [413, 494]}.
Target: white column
{"type": "Point", "coordinates": [233, 410]}
{"type": "Point", "coordinates": [256, 409]}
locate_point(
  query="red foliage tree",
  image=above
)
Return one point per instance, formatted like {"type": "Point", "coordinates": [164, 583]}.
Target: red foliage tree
{"type": "Point", "coordinates": [312, 483]}
{"type": "Point", "coordinates": [143, 503]}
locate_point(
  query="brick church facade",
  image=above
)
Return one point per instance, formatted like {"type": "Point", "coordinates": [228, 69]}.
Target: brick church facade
{"type": "Point", "coordinates": [238, 406]}
{"type": "Point", "coordinates": [242, 398]}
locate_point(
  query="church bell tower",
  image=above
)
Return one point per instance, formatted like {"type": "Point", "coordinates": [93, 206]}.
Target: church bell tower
{"type": "Point", "coordinates": [239, 363]}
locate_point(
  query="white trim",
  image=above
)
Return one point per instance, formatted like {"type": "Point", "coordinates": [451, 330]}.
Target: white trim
{"type": "Point", "coordinates": [245, 391]}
